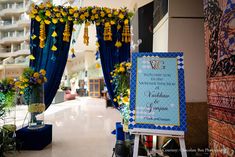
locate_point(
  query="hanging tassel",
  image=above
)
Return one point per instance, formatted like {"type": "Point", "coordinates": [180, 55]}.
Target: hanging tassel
{"type": "Point", "coordinates": [97, 46]}
{"type": "Point", "coordinates": [107, 32]}
{"type": "Point", "coordinates": [118, 44]}
{"type": "Point", "coordinates": [54, 34]}
{"type": "Point", "coordinates": [73, 55]}
{"type": "Point", "coordinates": [73, 52]}
{"type": "Point", "coordinates": [126, 35]}
{"type": "Point", "coordinates": [54, 48]}
{"type": "Point", "coordinates": [33, 37]}
{"type": "Point", "coordinates": [42, 35]}
{"type": "Point", "coordinates": [31, 57]}
{"type": "Point", "coordinates": [66, 34]}
{"type": "Point", "coordinates": [86, 36]}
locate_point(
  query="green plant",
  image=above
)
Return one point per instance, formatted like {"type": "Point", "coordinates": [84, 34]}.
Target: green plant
{"type": "Point", "coordinates": [7, 97]}
{"type": "Point", "coordinates": [121, 82]}
{"type": "Point", "coordinates": [7, 139]}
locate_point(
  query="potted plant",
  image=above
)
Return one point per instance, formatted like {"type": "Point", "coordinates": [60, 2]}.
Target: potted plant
{"type": "Point", "coordinates": [7, 103]}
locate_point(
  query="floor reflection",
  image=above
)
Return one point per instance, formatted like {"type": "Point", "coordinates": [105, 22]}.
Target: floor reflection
{"type": "Point", "coordinates": [81, 128]}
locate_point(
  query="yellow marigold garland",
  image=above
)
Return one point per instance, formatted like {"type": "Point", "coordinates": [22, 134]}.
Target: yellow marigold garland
{"type": "Point", "coordinates": [46, 13]}
{"type": "Point", "coordinates": [42, 36]}
{"type": "Point", "coordinates": [107, 32]}
{"type": "Point", "coordinates": [66, 34]}
{"type": "Point", "coordinates": [126, 35]}
{"type": "Point", "coordinates": [86, 36]}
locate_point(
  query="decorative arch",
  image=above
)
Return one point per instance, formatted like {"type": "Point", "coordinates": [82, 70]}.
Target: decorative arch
{"type": "Point", "coordinates": [51, 31]}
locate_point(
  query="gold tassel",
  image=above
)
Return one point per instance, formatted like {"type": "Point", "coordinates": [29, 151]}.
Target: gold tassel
{"type": "Point", "coordinates": [42, 35]}
{"type": "Point", "coordinates": [66, 34]}
{"type": "Point", "coordinates": [126, 35]}
{"type": "Point", "coordinates": [86, 36]}
{"type": "Point", "coordinates": [107, 32]}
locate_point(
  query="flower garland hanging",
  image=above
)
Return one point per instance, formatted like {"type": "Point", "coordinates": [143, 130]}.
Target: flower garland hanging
{"type": "Point", "coordinates": [46, 13]}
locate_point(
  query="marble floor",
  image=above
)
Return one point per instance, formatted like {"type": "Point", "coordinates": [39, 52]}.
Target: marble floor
{"type": "Point", "coordinates": [81, 128]}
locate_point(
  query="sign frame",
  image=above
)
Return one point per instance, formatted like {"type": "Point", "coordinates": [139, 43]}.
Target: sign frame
{"type": "Point", "coordinates": [156, 128]}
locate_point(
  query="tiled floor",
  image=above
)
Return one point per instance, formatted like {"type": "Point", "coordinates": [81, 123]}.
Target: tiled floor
{"type": "Point", "coordinates": [81, 128]}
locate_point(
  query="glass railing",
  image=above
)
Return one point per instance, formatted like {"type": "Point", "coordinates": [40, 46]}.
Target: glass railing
{"type": "Point", "coordinates": [7, 23]}
{"type": "Point", "coordinates": [14, 34]}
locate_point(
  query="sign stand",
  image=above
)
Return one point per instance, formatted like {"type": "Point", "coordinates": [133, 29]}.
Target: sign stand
{"type": "Point", "coordinates": [157, 99]}
{"type": "Point", "coordinates": [179, 134]}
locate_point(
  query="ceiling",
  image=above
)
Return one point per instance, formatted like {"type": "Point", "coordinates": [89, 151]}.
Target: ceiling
{"type": "Point", "coordinates": [107, 3]}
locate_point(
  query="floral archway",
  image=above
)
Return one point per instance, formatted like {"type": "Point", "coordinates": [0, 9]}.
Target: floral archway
{"type": "Point", "coordinates": [51, 31]}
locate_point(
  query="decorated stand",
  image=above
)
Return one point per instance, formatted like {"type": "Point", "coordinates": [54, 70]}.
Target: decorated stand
{"type": "Point", "coordinates": [157, 100]}
{"type": "Point", "coordinates": [50, 38]}
{"type": "Point", "coordinates": [51, 31]}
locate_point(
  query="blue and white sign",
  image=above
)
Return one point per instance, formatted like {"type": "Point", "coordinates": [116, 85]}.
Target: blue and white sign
{"type": "Point", "coordinates": [157, 92]}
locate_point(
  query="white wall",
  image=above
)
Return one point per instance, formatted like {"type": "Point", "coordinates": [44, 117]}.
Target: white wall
{"type": "Point", "coordinates": [185, 35]}
{"type": "Point", "coordinates": [134, 4]}
{"type": "Point", "coordinates": [160, 37]}
{"type": "Point", "coordinates": [185, 8]}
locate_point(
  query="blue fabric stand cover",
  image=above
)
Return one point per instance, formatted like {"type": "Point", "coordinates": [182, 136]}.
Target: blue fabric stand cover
{"type": "Point", "coordinates": [34, 139]}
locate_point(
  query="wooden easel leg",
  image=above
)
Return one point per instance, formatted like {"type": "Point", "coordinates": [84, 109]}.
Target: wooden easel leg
{"type": "Point", "coordinates": [136, 145]}
{"type": "Point", "coordinates": [183, 147]}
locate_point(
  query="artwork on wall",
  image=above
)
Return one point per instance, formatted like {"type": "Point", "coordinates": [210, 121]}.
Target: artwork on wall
{"type": "Point", "coordinates": [220, 57]}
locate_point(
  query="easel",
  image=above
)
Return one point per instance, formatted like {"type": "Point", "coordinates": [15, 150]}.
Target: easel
{"type": "Point", "coordinates": [168, 133]}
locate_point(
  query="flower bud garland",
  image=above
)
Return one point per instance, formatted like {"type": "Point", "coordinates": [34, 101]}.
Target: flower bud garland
{"type": "Point", "coordinates": [107, 32]}
{"type": "Point", "coordinates": [42, 36]}
{"type": "Point", "coordinates": [126, 35]}
{"type": "Point", "coordinates": [47, 14]}
{"type": "Point", "coordinates": [86, 36]}
{"type": "Point", "coordinates": [66, 34]}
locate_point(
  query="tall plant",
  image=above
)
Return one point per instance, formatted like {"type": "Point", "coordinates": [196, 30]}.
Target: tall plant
{"type": "Point", "coordinates": [7, 97]}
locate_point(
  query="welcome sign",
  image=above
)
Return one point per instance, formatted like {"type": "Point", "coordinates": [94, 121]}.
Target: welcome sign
{"type": "Point", "coordinates": [157, 92]}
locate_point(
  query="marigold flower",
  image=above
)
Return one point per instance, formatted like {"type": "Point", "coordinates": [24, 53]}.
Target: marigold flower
{"type": "Point", "coordinates": [58, 15]}
{"type": "Point", "coordinates": [36, 75]}
{"type": "Point", "coordinates": [47, 22]}
{"type": "Point", "coordinates": [43, 72]}
{"type": "Point", "coordinates": [115, 12]}
{"type": "Point", "coordinates": [75, 15]}
{"type": "Point", "coordinates": [39, 81]}
{"type": "Point", "coordinates": [121, 16]}
{"type": "Point", "coordinates": [55, 20]}
{"type": "Point", "coordinates": [48, 13]}
{"type": "Point", "coordinates": [121, 69]}
{"type": "Point", "coordinates": [38, 18]}
{"type": "Point", "coordinates": [34, 11]}
{"type": "Point", "coordinates": [125, 100]}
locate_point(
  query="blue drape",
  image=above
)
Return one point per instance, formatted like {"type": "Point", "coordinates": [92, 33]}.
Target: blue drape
{"type": "Point", "coordinates": [110, 55]}
{"type": "Point", "coordinates": [53, 62]}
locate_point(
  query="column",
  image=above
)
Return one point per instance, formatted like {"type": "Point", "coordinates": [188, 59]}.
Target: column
{"type": "Point", "coordinates": [12, 48]}
{"type": "Point", "coordinates": [25, 31]}
{"type": "Point", "coordinates": [12, 20]}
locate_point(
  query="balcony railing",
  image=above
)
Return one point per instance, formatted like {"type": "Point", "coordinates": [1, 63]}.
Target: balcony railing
{"type": "Point", "coordinates": [6, 23]}
{"type": "Point", "coordinates": [13, 6]}
{"type": "Point", "coordinates": [15, 34]}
